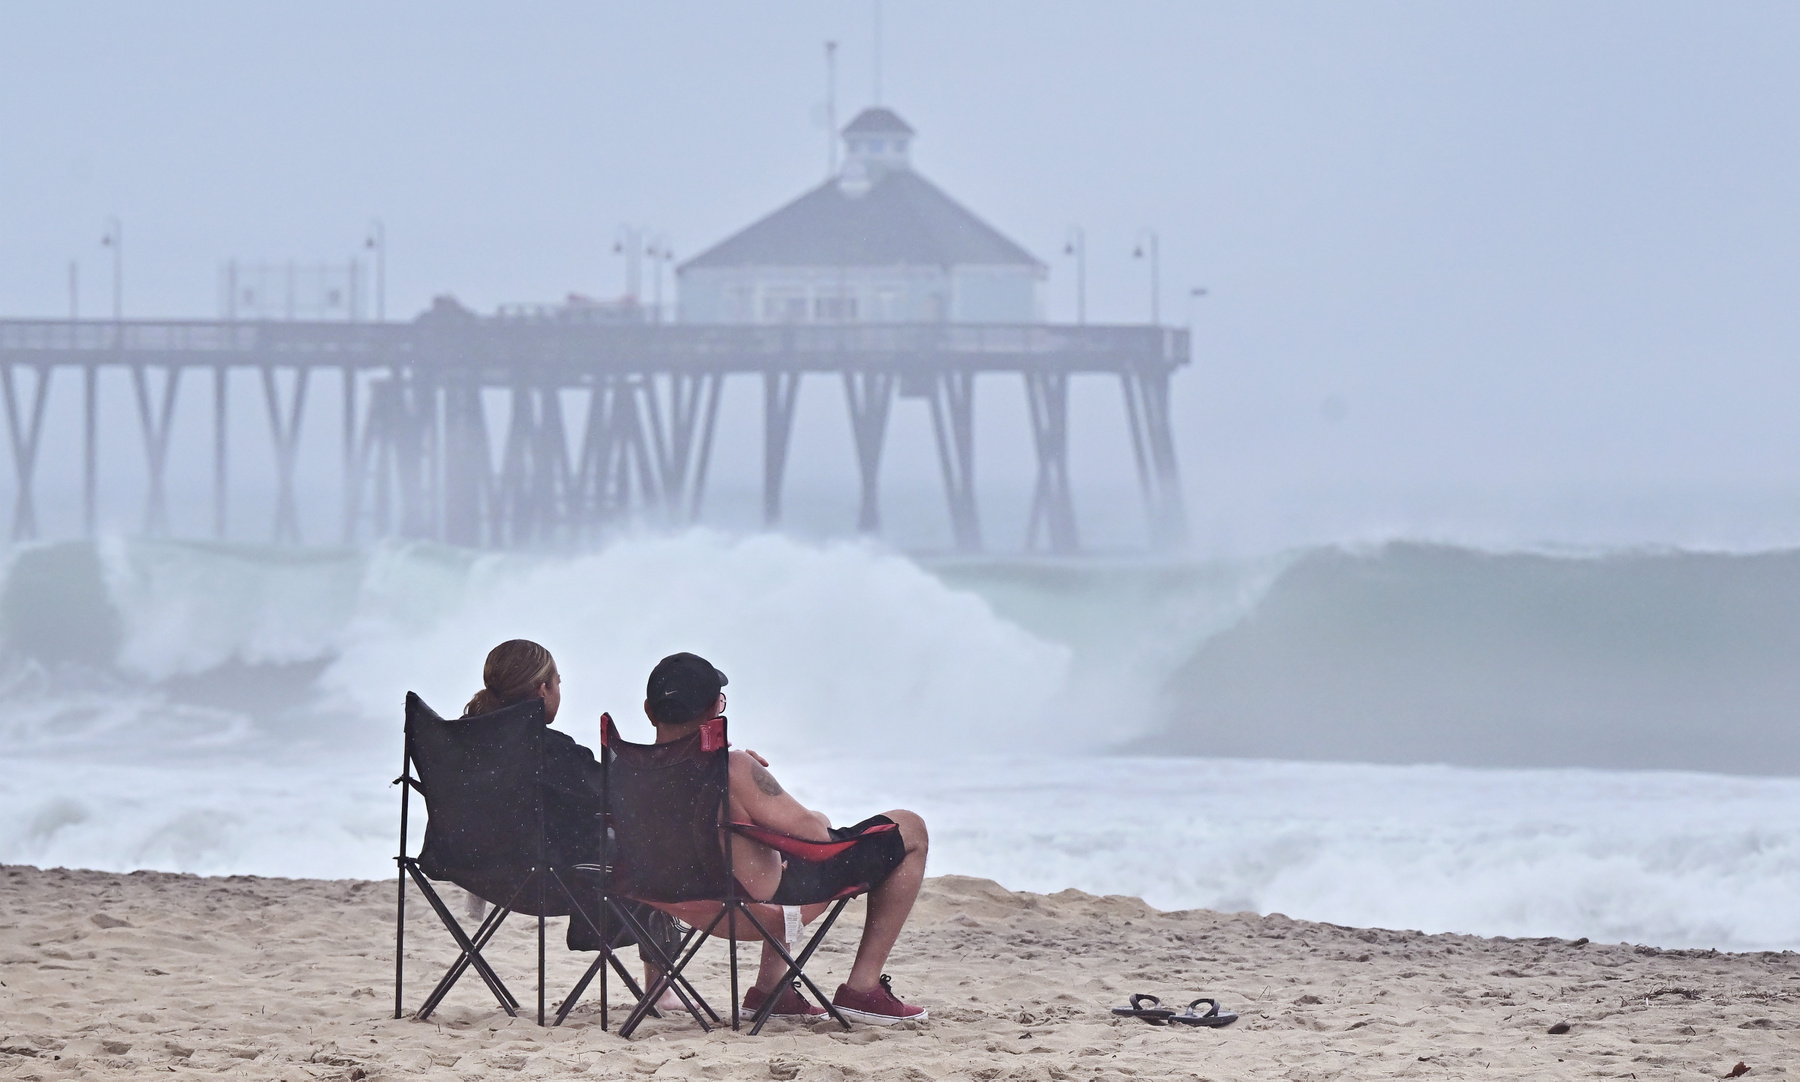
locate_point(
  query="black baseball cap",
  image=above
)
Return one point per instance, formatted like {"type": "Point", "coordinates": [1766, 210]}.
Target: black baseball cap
{"type": "Point", "coordinates": [682, 687]}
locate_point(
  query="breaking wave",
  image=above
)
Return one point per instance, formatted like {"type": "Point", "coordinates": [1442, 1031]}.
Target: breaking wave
{"type": "Point", "coordinates": [235, 709]}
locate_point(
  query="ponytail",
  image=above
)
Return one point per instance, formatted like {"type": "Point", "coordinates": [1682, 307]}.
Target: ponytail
{"type": "Point", "coordinates": [514, 669]}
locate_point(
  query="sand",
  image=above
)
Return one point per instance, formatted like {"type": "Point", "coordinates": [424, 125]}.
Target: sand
{"type": "Point", "coordinates": [152, 974]}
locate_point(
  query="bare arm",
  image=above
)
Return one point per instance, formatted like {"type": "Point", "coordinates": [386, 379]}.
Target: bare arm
{"type": "Point", "coordinates": [765, 803]}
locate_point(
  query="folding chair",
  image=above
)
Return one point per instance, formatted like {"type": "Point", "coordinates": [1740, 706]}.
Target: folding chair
{"type": "Point", "coordinates": [486, 832]}
{"type": "Point", "coordinates": [668, 806]}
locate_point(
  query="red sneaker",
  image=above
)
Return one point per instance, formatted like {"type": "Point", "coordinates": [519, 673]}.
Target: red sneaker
{"type": "Point", "coordinates": [790, 1004]}
{"type": "Point", "coordinates": [878, 1008]}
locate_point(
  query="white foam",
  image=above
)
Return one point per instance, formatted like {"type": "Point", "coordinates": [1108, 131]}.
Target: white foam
{"type": "Point", "coordinates": [1677, 860]}
{"type": "Point", "coordinates": [840, 644]}
{"type": "Point", "coordinates": [872, 682]}
{"type": "Point", "coordinates": [1655, 857]}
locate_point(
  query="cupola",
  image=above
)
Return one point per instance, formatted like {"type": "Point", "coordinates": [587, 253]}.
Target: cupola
{"type": "Point", "coordinates": [875, 143]}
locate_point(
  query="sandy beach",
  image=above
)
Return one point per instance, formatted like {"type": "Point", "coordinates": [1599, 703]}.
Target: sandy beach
{"type": "Point", "coordinates": [105, 975]}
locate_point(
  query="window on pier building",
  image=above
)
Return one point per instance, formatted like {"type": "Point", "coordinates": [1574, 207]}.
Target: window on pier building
{"type": "Point", "coordinates": [834, 309]}
{"type": "Point", "coordinates": [784, 308]}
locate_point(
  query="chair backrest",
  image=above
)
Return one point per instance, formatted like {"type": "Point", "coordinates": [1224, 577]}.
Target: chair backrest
{"type": "Point", "coordinates": [480, 777]}
{"type": "Point", "coordinates": [664, 803]}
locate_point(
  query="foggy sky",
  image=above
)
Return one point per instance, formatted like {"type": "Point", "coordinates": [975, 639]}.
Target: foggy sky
{"type": "Point", "coordinates": [1517, 272]}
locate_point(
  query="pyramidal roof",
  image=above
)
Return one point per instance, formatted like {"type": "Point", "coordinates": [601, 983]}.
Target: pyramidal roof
{"type": "Point", "coordinates": [878, 121]}
{"type": "Point", "coordinates": [875, 214]}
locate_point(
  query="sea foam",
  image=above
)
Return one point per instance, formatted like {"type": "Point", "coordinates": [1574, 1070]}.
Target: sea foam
{"type": "Point", "coordinates": [235, 709]}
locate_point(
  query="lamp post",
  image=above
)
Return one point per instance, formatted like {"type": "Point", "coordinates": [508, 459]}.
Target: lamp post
{"type": "Point", "coordinates": [657, 248]}
{"type": "Point", "coordinates": [114, 238]}
{"type": "Point", "coordinates": [1194, 294]}
{"type": "Point", "coordinates": [628, 241]}
{"type": "Point", "coordinates": [377, 242]}
{"type": "Point", "coordinates": [1147, 239]}
{"type": "Point", "coordinates": [1075, 244]}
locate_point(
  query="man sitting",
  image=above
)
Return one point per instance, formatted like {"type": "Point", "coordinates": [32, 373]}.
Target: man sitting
{"type": "Point", "coordinates": [683, 693]}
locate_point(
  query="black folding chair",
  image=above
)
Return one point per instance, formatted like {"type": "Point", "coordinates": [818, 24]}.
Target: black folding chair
{"type": "Point", "coordinates": [486, 832]}
{"type": "Point", "coordinates": [667, 805]}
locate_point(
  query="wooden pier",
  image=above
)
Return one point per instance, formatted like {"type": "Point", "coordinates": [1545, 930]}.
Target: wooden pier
{"type": "Point", "coordinates": [418, 459]}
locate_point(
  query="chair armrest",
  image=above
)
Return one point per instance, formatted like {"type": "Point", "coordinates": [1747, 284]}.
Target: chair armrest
{"type": "Point", "coordinates": [804, 848]}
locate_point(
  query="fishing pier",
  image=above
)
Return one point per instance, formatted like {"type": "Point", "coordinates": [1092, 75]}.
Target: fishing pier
{"type": "Point", "coordinates": [606, 422]}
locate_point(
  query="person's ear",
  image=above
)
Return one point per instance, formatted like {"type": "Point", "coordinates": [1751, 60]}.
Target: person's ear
{"type": "Point", "coordinates": [647, 713]}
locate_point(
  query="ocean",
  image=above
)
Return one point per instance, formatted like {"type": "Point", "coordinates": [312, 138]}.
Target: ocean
{"type": "Point", "coordinates": [1594, 744]}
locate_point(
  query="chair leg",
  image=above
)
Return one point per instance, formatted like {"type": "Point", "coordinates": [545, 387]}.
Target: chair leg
{"type": "Point", "coordinates": [673, 976]}
{"type": "Point", "coordinates": [675, 979]}
{"type": "Point", "coordinates": [599, 967]}
{"type": "Point", "coordinates": [479, 942]}
{"type": "Point", "coordinates": [674, 968]}
{"type": "Point", "coordinates": [672, 972]}
{"type": "Point", "coordinates": [732, 907]}
{"type": "Point", "coordinates": [540, 967]}
{"type": "Point", "coordinates": [400, 944]}
{"type": "Point", "coordinates": [471, 951]}
{"type": "Point", "coordinates": [796, 967]}
{"type": "Point", "coordinates": [684, 953]}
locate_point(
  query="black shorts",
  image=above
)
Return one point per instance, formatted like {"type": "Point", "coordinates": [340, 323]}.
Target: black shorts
{"type": "Point", "coordinates": [861, 867]}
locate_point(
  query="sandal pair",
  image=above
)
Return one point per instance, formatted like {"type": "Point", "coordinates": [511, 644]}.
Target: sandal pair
{"type": "Point", "coordinates": [1150, 1009]}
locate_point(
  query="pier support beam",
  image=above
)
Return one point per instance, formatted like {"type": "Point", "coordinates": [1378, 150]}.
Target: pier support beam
{"type": "Point", "coordinates": [693, 410]}
{"type": "Point", "coordinates": [221, 387]}
{"type": "Point", "coordinates": [616, 458]}
{"type": "Point", "coordinates": [952, 399]}
{"type": "Point", "coordinates": [1153, 451]}
{"type": "Point", "coordinates": [25, 448]}
{"type": "Point", "coordinates": [90, 449]}
{"type": "Point", "coordinates": [286, 437]}
{"type": "Point", "coordinates": [870, 396]}
{"type": "Point", "coordinates": [352, 466]}
{"type": "Point", "coordinates": [780, 391]}
{"type": "Point", "coordinates": [529, 505]}
{"type": "Point", "coordinates": [1052, 507]}
{"type": "Point", "coordinates": [468, 469]}
{"type": "Point", "coordinates": [156, 442]}
{"type": "Point", "coordinates": [397, 457]}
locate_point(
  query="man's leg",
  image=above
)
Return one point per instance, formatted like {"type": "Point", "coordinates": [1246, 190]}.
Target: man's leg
{"type": "Point", "coordinates": [769, 916]}
{"type": "Point", "coordinates": [890, 903]}
{"type": "Point", "coordinates": [772, 919]}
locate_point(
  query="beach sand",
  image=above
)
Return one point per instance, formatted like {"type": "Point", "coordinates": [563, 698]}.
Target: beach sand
{"type": "Point", "coordinates": [152, 974]}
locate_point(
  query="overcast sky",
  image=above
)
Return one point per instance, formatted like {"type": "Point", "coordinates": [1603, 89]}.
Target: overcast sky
{"type": "Point", "coordinates": [1523, 271]}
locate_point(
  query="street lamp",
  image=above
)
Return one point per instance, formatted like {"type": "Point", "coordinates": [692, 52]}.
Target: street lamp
{"type": "Point", "coordinates": [1075, 244]}
{"type": "Point", "coordinates": [660, 254]}
{"type": "Point", "coordinates": [1194, 294]}
{"type": "Point", "coordinates": [377, 242]}
{"type": "Point", "coordinates": [1147, 239]}
{"type": "Point", "coordinates": [628, 241]}
{"type": "Point", "coordinates": [114, 238]}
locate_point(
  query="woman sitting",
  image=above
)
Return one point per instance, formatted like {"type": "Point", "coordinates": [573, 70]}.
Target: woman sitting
{"type": "Point", "coordinates": [520, 669]}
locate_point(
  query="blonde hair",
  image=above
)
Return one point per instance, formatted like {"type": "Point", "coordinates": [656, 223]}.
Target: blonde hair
{"type": "Point", "coordinates": [514, 669]}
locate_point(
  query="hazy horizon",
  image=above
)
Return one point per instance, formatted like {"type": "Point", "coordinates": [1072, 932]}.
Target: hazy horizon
{"type": "Point", "coordinates": [1517, 275]}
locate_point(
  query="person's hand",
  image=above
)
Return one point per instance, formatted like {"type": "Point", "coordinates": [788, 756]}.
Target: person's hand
{"type": "Point", "coordinates": [755, 756]}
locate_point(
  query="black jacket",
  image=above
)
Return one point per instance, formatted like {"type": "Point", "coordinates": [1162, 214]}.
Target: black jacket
{"type": "Point", "coordinates": [571, 780]}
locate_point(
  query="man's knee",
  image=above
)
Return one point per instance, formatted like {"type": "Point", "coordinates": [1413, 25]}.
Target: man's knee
{"type": "Point", "coordinates": [912, 830]}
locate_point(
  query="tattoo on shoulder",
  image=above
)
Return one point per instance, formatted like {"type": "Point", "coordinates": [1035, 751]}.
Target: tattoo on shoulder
{"type": "Point", "coordinates": [765, 780]}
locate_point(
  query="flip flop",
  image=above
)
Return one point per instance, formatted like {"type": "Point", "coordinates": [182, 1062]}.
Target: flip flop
{"type": "Point", "coordinates": [1211, 1018]}
{"type": "Point", "coordinates": [1156, 1014]}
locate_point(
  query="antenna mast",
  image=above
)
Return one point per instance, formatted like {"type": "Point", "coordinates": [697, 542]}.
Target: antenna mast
{"type": "Point", "coordinates": [877, 52]}
{"type": "Point", "coordinates": [831, 132]}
